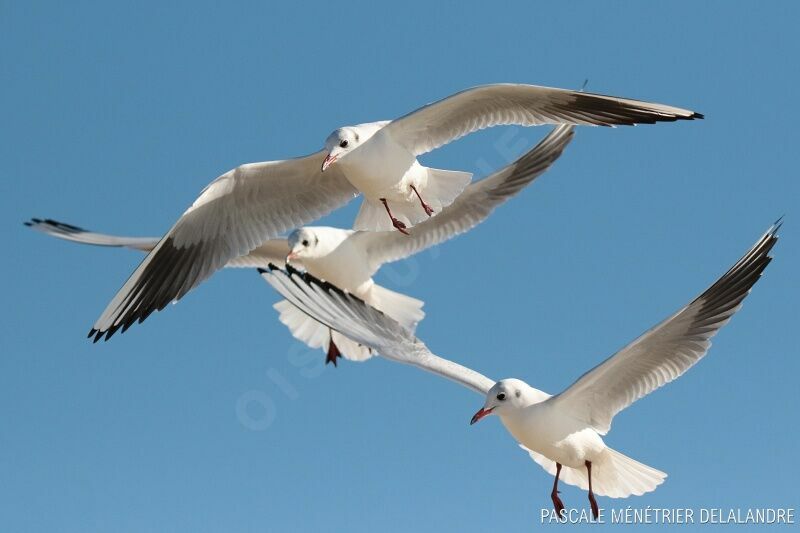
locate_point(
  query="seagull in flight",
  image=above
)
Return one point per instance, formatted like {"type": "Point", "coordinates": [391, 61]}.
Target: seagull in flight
{"type": "Point", "coordinates": [563, 432]}
{"type": "Point", "coordinates": [246, 206]}
{"type": "Point", "coordinates": [350, 259]}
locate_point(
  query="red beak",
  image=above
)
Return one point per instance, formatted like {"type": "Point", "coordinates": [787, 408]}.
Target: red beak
{"type": "Point", "coordinates": [480, 414]}
{"type": "Point", "coordinates": [291, 256]}
{"type": "Point", "coordinates": [329, 160]}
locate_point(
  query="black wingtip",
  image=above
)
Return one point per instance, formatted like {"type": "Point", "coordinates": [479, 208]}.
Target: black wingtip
{"type": "Point", "coordinates": [698, 116]}
{"type": "Point", "coordinates": [100, 335]}
{"type": "Point", "coordinates": [270, 268]}
{"type": "Point", "coordinates": [27, 223]}
{"type": "Point", "coordinates": [96, 334]}
{"type": "Point", "coordinates": [772, 232]}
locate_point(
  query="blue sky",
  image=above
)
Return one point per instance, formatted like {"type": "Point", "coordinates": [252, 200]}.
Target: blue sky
{"type": "Point", "coordinates": [115, 116]}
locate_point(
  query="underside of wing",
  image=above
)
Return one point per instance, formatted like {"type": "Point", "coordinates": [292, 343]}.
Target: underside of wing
{"type": "Point", "coordinates": [271, 252]}
{"type": "Point", "coordinates": [482, 107]}
{"type": "Point", "coordinates": [669, 349]}
{"type": "Point", "coordinates": [236, 213]}
{"type": "Point", "coordinates": [72, 233]}
{"type": "Point", "coordinates": [353, 318]}
{"type": "Point", "coordinates": [472, 207]}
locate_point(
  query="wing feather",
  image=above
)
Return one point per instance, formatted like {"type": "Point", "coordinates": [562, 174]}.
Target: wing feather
{"type": "Point", "coordinates": [482, 107]}
{"type": "Point", "coordinates": [472, 207]}
{"type": "Point", "coordinates": [350, 316]}
{"type": "Point", "coordinates": [72, 233]}
{"type": "Point", "coordinates": [669, 349]}
{"type": "Point", "coordinates": [233, 215]}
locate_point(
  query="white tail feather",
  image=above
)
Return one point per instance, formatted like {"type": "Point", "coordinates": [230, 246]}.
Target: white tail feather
{"type": "Point", "coordinates": [442, 187]}
{"type": "Point", "coordinates": [317, 335]}
{"type": "Point", "coordinates": [614, 475]}
{"type": "Point", "coordinates": [405, 309]}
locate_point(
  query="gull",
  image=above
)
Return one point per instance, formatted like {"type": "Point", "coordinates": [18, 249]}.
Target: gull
{"type": "Point", "coordinates": [252, 203]}
{"type": "Point", "coordinates": [350, 259]}
{"type": "Point", "coordinates": [562, 432]}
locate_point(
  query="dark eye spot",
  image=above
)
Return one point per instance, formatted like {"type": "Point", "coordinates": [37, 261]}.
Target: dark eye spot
{"type": "Point", "coordinates": [501, 396]}
{"type": "Point", "coordinates": [343, 144]}
{"type": "Point", "coordinates": [305, 242]}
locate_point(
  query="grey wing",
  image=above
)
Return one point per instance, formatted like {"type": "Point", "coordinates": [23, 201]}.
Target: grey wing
{"type": "Point", "coordinates": [236, 213]}
{"type": "Point", "coordinates": [472, 207]}
{"type": "Point", "coordinates": [350, 316]}
{"type": "Point", "coordinates": [482, 107]}
{"type": "Point", "coordinates": [72, 233]}
{"type": "Point", "coordinates": [669, 349]}
{"type": "Point", "coordinates": [272, 251]}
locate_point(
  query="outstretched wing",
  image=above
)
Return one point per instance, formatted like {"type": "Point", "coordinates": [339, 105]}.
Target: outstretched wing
{"type": "Point", "coordinates": [471, 208]}
{"type": "Point", "coordinates": [272, 251]}
{"type": "Point", "coordinates": [669, 349]}
{"type": "Point", "coordinates": [482, 107]}
{"type": "Point", "coordinates": [72, 233]}
{"type": "Point", "coordinates": [350, 316]}
{"type": "Point", "coordinates": [234, 214]}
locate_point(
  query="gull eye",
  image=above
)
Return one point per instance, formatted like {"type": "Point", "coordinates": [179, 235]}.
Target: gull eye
{"type": "Point", "coordinates": [305, 242]}
{"type": "Point", "coordinates": [343, 144]}
{"type": "Point", "coordinates": [501, 396]}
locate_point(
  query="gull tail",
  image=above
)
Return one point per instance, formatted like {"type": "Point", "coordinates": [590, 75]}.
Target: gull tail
{"type": "Point", "coordinates": [614, 475]}
{"type": "Point", "coordinates": [404, 309]}
{"type": "Point", "coordinates": [438, 191]}
{"type": "Point", "coordinates": [317, 335]}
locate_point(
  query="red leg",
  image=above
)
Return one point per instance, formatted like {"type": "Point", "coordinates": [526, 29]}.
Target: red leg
{"type": "Point", "coordinates": [558, 505]}
{"type": "Point", "coordinates": [428, 209]}
{"type": "Point", "coordinates": [592, 501]}
{"type": "Point", "coordinates": [333, 352]}
{"type": "Point", "coordinates": [396, 223]}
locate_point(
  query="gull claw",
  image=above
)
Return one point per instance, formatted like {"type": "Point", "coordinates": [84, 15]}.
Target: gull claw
{"type": "Point", "coordinates": [333, 353]}
{"type": "Point", "coordinates": [400, 226]}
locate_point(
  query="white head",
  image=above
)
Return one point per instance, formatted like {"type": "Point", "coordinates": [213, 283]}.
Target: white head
{"type": "Point", "coordinates": [340, 143]}
{"type": "Point", "coordinates": [344, 140]}
{"type": "Point", "coordinates": [314, 242]}
{"type": "Point", "coordinates": [505, 397]}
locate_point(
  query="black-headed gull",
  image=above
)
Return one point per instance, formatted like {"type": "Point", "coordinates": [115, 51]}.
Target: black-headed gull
{"type": "Point", "coordinates": [380, 158]}
{"type": "Point", "coordinates": [250, 204]}
{"type": "Point", "coordinates": [562, 432]}
{"type": "Point", "coordinates": [350, 258]}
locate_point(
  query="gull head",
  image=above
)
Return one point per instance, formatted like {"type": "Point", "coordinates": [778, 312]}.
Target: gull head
{"type": "Point", "coordinates": [314, 242]}
{"type": "Point", "coordinates": [340, 143]}
{"type": "Point", "coordinates": [505, 397]}
{"type": "Point", "coordinates": [303, 243]}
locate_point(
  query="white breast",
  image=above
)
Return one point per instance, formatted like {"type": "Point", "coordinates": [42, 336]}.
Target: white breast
{"type": "Point", "coordinates": [378, 166]}
{"type": "Point", "coordinates": [558, 437]}
{"type": "Point", "coordinates": [345, 266]}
